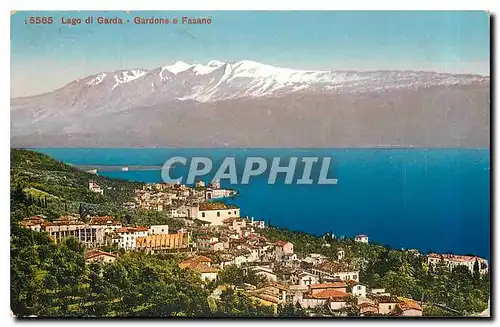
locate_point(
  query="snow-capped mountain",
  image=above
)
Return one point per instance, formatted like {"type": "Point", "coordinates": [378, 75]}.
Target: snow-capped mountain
{"type": "Point", "coordinates": [134, 96]}
{"type": "Point", "coordinates": [218, 81]}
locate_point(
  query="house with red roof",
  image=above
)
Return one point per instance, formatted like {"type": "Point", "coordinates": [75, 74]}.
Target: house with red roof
{"type": "Point", "coordinates": [213, 213]}
{"type": "Point", "coordinates": [338, 286]}
{"type": "Point", "coordinates": [453, 260]}
{"type": "Point", "coordinates": [368, 309]}
{"type": "Point", "coordinates": [361, 238]}
{"type": "Point", "coordinates": [201, 265]}
{"type": "Point", "coordinates": [408, 308]}
{"type": "Point", "coordinates": [99, 256]}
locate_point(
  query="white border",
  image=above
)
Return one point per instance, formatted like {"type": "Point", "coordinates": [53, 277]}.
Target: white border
{"type": "Point", "coordinates": [488, 5]}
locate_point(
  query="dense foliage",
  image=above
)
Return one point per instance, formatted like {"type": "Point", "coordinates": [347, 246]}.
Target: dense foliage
{"type": "Point", "coordinates": [43, 185]}
{"type": "Point", "coordinates": [53, 280]}
{"type": "Point", "coordinates": [237, 276]}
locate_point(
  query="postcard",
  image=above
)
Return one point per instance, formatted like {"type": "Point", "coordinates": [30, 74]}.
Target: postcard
{"type": "Point", "coordinates": [250, 164]}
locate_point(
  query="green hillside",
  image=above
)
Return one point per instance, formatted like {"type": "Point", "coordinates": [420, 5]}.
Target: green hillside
{"type": "Point", "coordinates": [41, 184]}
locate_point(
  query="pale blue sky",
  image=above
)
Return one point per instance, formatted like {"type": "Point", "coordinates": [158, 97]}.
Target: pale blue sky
{"type": "Point", "coordinates": [45, 57]}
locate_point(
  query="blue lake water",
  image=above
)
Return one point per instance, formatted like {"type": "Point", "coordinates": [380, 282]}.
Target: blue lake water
{"type": "Point", "coordinates": [429, 199]}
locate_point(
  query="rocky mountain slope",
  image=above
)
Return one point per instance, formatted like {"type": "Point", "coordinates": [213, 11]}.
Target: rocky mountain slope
{"type": "Point", "coordinates": [249, 104]}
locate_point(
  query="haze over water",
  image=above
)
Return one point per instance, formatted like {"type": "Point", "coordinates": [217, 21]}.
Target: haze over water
{"type": "Point", "coordinates": [429, 199]}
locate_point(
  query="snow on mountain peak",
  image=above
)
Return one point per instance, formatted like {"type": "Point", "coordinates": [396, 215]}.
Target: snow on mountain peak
{"type": "Point", "coordinates": [217, 80]}
{"type": "Point", "coordinates": [215, 63]}
{"type": "Point", "coordinates": [128, 76]}
{"type": "Point", "coordinates": [97, 79]}
{"type": "Point", "coordinates": [203, 70]}
{"type": "Point", "coordinates": [178, 67]}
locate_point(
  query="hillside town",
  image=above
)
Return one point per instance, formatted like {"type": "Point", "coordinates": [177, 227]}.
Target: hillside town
{"type": "Point", "coordinates": [217, 238]}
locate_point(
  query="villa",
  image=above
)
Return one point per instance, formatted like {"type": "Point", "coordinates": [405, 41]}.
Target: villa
{"type": "Point", "coordinates": [361, 238]}
{"type": "Point", "coordinates": [92, 234]}
{"type": "Point", "coordinates": [126, 237]}
{"type": "Point", "coordinates": [307, 279]}
{"type": "Point", "coordinates": [214, 212]}
{"type": "Point", "coordinates": [338, 286]}
{"type": "Point", "coordinates": [94, 187]}
{"type": "Point", "coordinates": [452, 261]}
{"type": "Point", "coordinates": [99, 256]}
{"type": "Point", "coordinates": [332, 270]}
{"type": "Point", "coordinates": [201, 265]}
{"type": "Point", "coordinates": [211, 194]}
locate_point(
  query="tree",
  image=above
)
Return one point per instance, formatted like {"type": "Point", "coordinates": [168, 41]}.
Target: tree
{"type": "Point", "coordinates": [238, 276]}
{"type": "Point", "coordinates": [477, 275]}
{"type": "Point", "coordinates": [237, 304]}
{"type": "Point", "coordinates": [290, 310]}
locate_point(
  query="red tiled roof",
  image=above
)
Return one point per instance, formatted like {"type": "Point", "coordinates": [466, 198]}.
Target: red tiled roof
{"type": "Point", "coordinates": [368, 304]}
{"type": "Point", "coordinates": [266, 298]}
{"type": "Point", "coordinates": [409, 305]}
{"type": "Point", "coordinates": [281, 287]}
{"type": "Point", "coordinates": [454, 257]}
{"type": "Point", "coordinates": [281, 243]}
{"type": "Point", "coordinates": [203, 268]}
{"type": "Point", "coordinates": [385, 299]}
{"type": "Point", "coordinates": [96, 253]}
{"type": "Point", "coordinates": [328, 285]}
{"type": "Point", "coordinates": [104, 220]}
{"type": "Point", "coordinates": [330, 294]}
{"type": "Point", "coordinates": [131, 229]}
{"type": "Point", "coordinates": [195, 259]}
{"type": "Point", "coordinates": [216, 206]}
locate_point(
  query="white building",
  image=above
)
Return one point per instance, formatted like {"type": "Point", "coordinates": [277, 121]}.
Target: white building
{"type": "Point", "coordinates": [158, 229]}
{"type": "Point", "coordinates": [359, 290]}
{"type": "Point", "coordinates": [35, 223]}
{"type": "Point", "coordinates": [361, 238]}
{"type": "Point", "coordinates": [201, 265]}
{"type": "Point", "coordinates": [99, 256]}
{"type": "Point", "coordinates": [125, 237]}
{"type": "Point", "coordinates": [214, 212]}
{"type": "Point", "coordinates": [453, 261]}
{"type": "Point", "coordinates": [94, 187]}
{"type": "Point", "coordinates": [315, 259]}
{"type": "Point", "coordinates": [217, 193]}
{"type": "Point", "coordinates": [379, 291]}
{"type": "Point", "coordinates": [266, 272]}
{"type": "Point", "coordinates": [92, 234]}
{"type": "Point", "coordinates": [307, 279]}
{"type": "Point", "coordinates": [328, 271]}
{"type": "Point", "coordinates": [257, 223]}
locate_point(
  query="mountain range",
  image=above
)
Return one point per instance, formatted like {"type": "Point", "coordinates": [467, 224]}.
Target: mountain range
{"type": "Point", "coordinates": [250, 104]}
